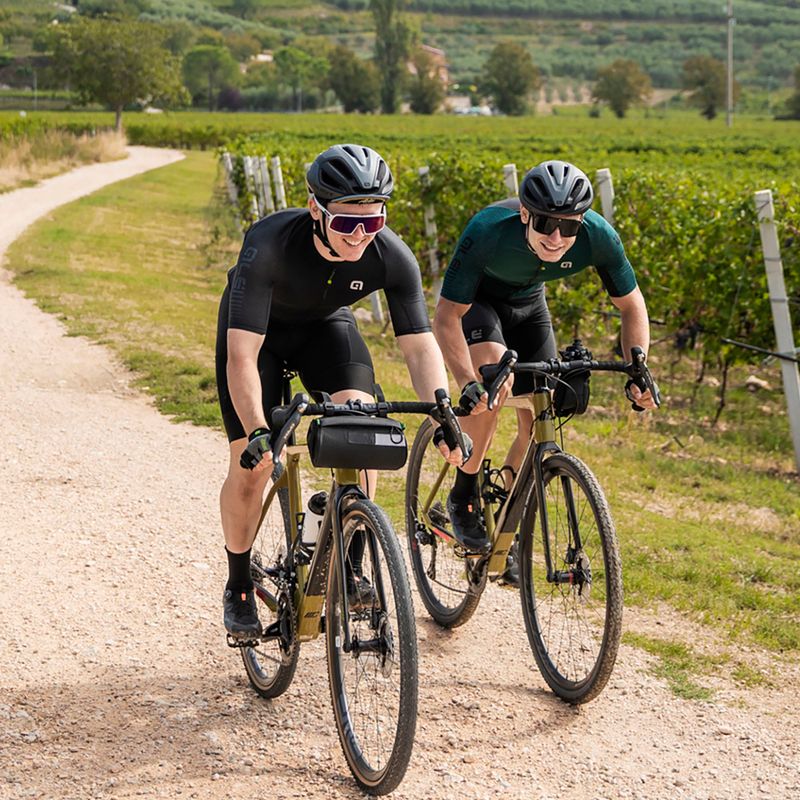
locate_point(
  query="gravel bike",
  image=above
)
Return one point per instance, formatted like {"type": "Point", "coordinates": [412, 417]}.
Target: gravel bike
{"type": "Point", "coordinates": [569, 562]}
{"type": "Point", "coordinates": [370, 641]}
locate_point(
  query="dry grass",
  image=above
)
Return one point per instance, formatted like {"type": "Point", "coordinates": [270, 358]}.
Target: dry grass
{"type": "Point", "coordinates": [27, 160]}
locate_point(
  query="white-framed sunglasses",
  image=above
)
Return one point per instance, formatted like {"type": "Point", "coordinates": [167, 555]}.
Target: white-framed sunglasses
{"type": "Point", "coordinates": [348, 223]}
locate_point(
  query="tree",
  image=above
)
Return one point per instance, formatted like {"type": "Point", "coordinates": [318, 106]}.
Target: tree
{"type": "Point", "coordinates": [245, 8]}
{"type": "Point", "coordinates": [426, 88]}
{"type": "Point", "coordinates": [300, 70]}
{"type": "Point", "coordinates": [243, 46]}
{"type": "Point", "coordinates": [355, 82]}
{"type": "Point", "coordinates": [392, 43]}
{"type": "Point", "coordinates": [707, 78]}
{"type": "Point", "coordinates": [621, 84]}
{"type": "Point", "coordinates": [509, 76]}
{"type": "Point", "coordinates": [208, 68]}
{"type": "Point", "coordinates": [117, 62]}
{"type": "Point", "coordinates": [793, 103]}
{"type": "Point", "coordinates": [113, 8]}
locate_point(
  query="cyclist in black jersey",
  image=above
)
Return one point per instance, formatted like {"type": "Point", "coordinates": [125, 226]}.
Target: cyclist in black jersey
{"type": "Point", "coordinates": [286, 305]}
{"type": "Point", "coordinates": [493, 298]}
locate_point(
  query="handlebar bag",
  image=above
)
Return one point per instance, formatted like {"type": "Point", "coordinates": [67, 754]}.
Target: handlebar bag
{"type": "Point", "coordinates": [357, 443]}
{"type": "Point", "coordinates": [571, 395]}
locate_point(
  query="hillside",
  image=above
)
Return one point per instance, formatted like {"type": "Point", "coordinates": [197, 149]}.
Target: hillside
{"type": "Point", "coordinates": [568, 41]}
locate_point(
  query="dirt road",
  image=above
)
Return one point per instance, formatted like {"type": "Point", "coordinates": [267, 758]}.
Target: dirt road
{"type": "Point", "coordinates": [116, 681]}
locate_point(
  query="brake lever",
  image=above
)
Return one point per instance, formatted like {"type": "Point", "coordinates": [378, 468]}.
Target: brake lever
{"type": "Point", "coordinates": [447, 418]}
{"type": "Point", "coordinates": [293, 416]}
{"type": "Point", "coordinates": [505, 364]}
{"type": "Point", "coordinates": [640, 375]}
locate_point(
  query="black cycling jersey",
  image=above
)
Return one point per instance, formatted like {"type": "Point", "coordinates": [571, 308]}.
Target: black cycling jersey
{"type": "Point", "coordinates": [281, 275]}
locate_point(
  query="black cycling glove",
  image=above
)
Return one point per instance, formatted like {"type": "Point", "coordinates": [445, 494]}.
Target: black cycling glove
{"type": "Point", "coordinates": [471, 395]}
{"type": "Point", "coordinates": [258, 444]}
{"type": "Point", "coordinates": [441, 435]}
{"type": "Point", "coordinates": [655, 393]}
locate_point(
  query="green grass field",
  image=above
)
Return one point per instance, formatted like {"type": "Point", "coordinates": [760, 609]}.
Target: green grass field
{"type": "Point", "coordinates": [708, 519]}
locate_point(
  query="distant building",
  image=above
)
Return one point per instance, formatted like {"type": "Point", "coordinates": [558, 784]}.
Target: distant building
{"type": "Point", "coordinates": [439, 62]}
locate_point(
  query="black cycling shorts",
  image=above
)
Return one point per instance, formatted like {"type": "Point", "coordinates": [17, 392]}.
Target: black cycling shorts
{"type": "Point", "coordinates": [328, 355]}
{"type": "Point", "coordinates": [524, 327]}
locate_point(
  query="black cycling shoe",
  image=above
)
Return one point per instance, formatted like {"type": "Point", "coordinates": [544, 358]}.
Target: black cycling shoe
{"type": "Point", "coordinates": [511, 575]}
{"type": "Point", "coordinates": [241, 614]}
{"type": "Point", "coordinates": [361, 593]}
{"type": "Point", "coordinates": [467, 525]}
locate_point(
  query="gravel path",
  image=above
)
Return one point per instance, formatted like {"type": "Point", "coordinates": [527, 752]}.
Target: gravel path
{"type": "Point", "coordinates": [116, 681]}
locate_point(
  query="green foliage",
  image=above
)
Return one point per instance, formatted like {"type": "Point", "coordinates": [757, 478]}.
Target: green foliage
{"type": "Point", "coordinates": [300, 70]}
{"type": "Point", "coordinates": [117, 62]}
{"type": "Point", "coordinates": [355, 82]}
{"type": "Point", "coordinates": [426, 89]}
{"type": "Point", "coordinates": [707, 79]}
{"type": "Point", "coordinates": [509, 76]}
{"type": "Point", "coordinates": [207, 68]}
{"type": "Point", "coordinates": [392, 43]}
{"type": "Point", "coordinates": [793, 103]}
{"type": "Point", "coordinates": [113, 8]}
{"type": "Point", "coordinates": [622, 84]}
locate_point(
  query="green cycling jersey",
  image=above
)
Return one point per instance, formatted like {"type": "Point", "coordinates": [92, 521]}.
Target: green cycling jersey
{"type": "Point", "coordinates": [493, 260]}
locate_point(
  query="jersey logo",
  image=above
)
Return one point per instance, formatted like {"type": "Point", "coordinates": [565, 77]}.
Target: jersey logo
{"type": "Point", "coordinates": [476, 334]}
{"type": "Point", "coordinates": [357, 286]}
{"type": "Point", "coordinates": [248, 255]}
{"type": "Point", "coordinates": [566, 265]}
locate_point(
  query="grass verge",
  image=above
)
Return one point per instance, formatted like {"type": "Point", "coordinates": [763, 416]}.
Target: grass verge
{"type": "Point", "coordinates": [25, 160]}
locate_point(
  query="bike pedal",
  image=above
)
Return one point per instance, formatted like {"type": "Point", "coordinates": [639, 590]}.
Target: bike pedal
{"type": "Point", "coordinates": [235, 641]}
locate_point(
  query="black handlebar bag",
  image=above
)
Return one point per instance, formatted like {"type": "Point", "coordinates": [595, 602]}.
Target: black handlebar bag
{"type": "Point", "coordinates": [357, 443]}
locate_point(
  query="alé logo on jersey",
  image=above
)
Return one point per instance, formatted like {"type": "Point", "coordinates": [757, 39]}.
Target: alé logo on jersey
{"type": "Point", "coordinates": [357, 286]}
{"type": "Point", "coordinates": [565, 265]}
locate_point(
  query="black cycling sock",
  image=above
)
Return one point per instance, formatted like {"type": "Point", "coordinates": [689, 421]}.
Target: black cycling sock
{"type": "Point", "coordinates": [355, 554]}
{"type": "Point", "coordinates": [466, 485]}
{"type": "Point", "coordinates": [239, 578]}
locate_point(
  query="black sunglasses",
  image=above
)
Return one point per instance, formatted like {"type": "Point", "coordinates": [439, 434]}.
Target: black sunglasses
{"type": "Point", "coordinates": [546, 225]}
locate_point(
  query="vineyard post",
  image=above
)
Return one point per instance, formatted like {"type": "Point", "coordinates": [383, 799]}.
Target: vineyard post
{"type": "Point", "coordinates": [510, 179]}
{"type": "Point", "coordinates": [605, 186]}
{"type": "Point", "coordinates": [259, 186]}
{"type": "Point", "coordinates": [277, 180]}
{"type": "Point", "coordinates": [269, 203]}
{"type": "Point", "coordinates": [227, 166]}
{"type": "Point", "coordinates": [780, 312]}
{"type": "Point", "coordinates": [250, 185]}
{"type": "Point", "coordinates": [431, 234]}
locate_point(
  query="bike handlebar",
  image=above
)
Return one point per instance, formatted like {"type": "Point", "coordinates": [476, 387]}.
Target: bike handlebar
{"type": "Point", "coordinates": [495, 375]}
{"type": "Point", "coordinates": [285, 419]}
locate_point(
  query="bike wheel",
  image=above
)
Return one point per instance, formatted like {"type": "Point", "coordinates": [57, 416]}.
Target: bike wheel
{"type": "Point", "coordinates": [374, 685]}
{"type": "Point", "coordinates": [271, 665]}
{"type": "Point", "coordinates": [440, 571]}
{"type": "Point", "coordinates": [573, 622]}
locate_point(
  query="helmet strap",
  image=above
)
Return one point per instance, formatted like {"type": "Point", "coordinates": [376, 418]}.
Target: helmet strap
{"type": "Point", "coordinates": [320, 232]}
{"type": "Point", "coordinates": [528, 225]}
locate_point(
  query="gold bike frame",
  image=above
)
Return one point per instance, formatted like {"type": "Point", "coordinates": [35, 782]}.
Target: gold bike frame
{"type": "Point", "coordinates": [502, 531]}
{"type": "Point", "coordinates": [308, 605]}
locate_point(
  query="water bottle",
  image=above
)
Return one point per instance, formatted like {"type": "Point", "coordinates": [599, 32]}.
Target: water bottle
{"type": "Point", "coordinates": [314, 513]}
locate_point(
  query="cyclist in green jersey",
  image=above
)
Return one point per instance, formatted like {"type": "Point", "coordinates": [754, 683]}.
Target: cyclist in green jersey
{"type": "Point", "coordinates": [493, 299]}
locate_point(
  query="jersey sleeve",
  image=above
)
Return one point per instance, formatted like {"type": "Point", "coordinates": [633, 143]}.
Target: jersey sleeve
{"type": "Point", "coordinates": [610, 261]}
{"type": "Point", "coordinates": [403, 289]}
{"type": "Point", "coordinates": [466, 268]}
{"type": "Point", "coordinates": [251, 285]}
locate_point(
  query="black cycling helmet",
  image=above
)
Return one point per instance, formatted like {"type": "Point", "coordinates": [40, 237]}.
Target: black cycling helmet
{"type": "Point", "coordinates": [349, 172]}
{"type": "Point", "coordinates": [556, 187]}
